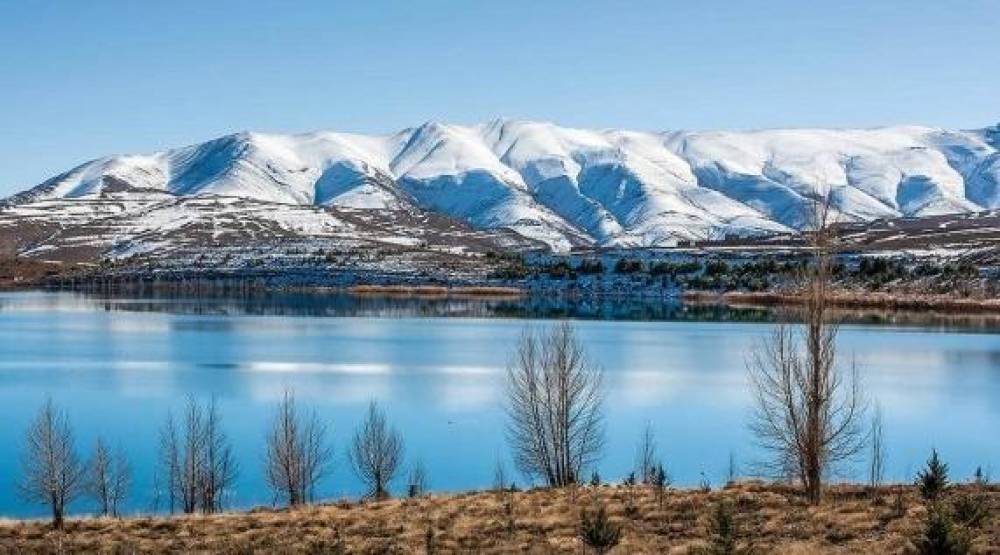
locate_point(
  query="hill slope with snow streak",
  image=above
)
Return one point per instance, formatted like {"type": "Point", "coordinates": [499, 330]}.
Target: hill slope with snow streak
{"type": "Point", "coordinates": [567, 187]}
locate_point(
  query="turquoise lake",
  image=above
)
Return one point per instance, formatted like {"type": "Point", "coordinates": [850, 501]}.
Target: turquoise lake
{"type": "Point", "coordinates": [437, 367]}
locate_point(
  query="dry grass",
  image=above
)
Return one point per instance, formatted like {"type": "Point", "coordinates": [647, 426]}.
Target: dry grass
{"type": "Point", "coordinates": [850, 299]}
{"type": "Point", "coordinates": [772, 519]}
{"type": "Point", "coordinates": [436, 291]}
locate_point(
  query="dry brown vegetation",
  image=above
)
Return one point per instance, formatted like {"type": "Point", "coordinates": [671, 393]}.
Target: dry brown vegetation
{"type": "Point", "coordinates": [18, 272]}
{"type": "Point", "coordinates": [436, 290]}
{"type": "Point", "coordinates": [769, 519]}
{"type": "Point", "coordinates": [851, 299]}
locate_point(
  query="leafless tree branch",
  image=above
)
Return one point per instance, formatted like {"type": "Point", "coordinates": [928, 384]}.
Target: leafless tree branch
{"type": "Point", "coordinates": [554, 406]}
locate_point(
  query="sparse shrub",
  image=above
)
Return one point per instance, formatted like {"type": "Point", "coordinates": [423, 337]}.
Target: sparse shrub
{"type": "Point", "coordinates": [509, 521]}
{"type": "Point", "coordinates": [722, 530]}
{"type": "Point", "coordinates": [590, 266]}
{"type": "Point", "coordinates": [660, 268]}
{"type": "Point", "coordinates": [598, 532]}
{"type": "Point", "coordinates": [631, 509]}
{"type": "Point", "coordinates": [704, 484]}
{"type": "Point", "coordinates": [645, 455]}
{"type": "Point", "coordinates": [560, 270]}
{"type": "Point", "coordinates": [417, 483]}
{"type": "Point", "coordinates": [971, 510]}
{"type": "Point", "coordinates": [716, 268]}
{"type": "Point", "coordinates": [500, 476]}
{"type": "Point", "coordinates": [940, 535]}
{"type": "Point", "coordinates": [660, 481]}
{"type": "Point", "coordinates": [628, 266]}
{"type": "Point", "coordinates": [732, 469]}
{"type": "Point", "coordinates": [429, 540]}
{"type": "Point", "coordinates": [514, 268]}
{"type": "Point", "coordinates": [933, 479]}
{"type": "Point", "coordinates": [899, 505]}
{"type": "Point", "coordinates": [674, 269]}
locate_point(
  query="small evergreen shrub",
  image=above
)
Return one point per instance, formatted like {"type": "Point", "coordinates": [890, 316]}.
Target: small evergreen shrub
{"type": "Point", "coordinates": [590, 266]}
{"type": "Point", "coordinates": [560, 270]}
{"type": "Point", "coordinates": [933, 479]}
{"type": "Point", "coordinates": [628, 266]}
{"type": "Point", "coordinates": [716, 268]}
{"type": "Point", "coordinates": [980, 478]}
{"type": "Point", "coordinates": [722, 530]}
{"type": "Point", "coordinates": [598, 532]}
{"type": "Point", "coordinates": [940, 535]}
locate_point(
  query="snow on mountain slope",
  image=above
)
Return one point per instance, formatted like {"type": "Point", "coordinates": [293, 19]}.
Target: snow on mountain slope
{"type": "Point", "coordinates": [567, 187]}
{"type": "Point", "coordinates": [449, 169]}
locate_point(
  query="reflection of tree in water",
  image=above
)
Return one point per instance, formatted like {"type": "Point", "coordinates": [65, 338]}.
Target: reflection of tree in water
{"type": "Point", "coordinates": [343, 304]}
{"type": "Point", "coordinates": [333, 304]}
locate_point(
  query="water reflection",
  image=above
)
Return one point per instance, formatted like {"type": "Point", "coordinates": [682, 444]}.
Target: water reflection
{"type": "Point", "coordinates": [118, 366]}
{"type": "Point", "coordinates": [340, 304]}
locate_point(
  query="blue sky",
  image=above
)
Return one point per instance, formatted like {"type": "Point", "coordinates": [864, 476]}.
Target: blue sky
{"type": "Point", "coordinates": [83, 79]}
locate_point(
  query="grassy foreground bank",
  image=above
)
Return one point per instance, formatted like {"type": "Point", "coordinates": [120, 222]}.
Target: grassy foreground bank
{"type": "Point", "coordinates": [766, 519]}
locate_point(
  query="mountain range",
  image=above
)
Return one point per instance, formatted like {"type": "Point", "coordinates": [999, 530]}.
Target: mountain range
{"type": "Point", "coordinates": [554, 186]}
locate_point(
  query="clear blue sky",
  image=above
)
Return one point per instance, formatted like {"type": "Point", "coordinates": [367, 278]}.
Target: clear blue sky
{"type": "Point", "coordinates": [79, 79]}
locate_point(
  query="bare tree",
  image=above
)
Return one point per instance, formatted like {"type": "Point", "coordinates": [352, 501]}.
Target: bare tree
{"type": "Point", "coordinates": [732, 469]}
{"type": "Point", "coordinates": [500, 480]}
{"type": "Point", "coordinates": [645, 456]}
{"type": "Point", "coordinates": [220, 468]}
{"type": "Point", "coordinates": [110, 478]}
{"type": "Point", "coordinates": [417, 482]}
{"type": "Point", "coordinates": [808, 413]}
{"type": "Point", "coordinates": [376, 452]}
{"type": "Point", "coordinates": [297, 454]}
{"type": "Point", "coordinates": [170, 461]}
{"type": "Point", "coordinates": [52, 473]}
{"type": "Point", "coordinates": [554, 406]}
{"type": "Point", "coordinates": [197, 459]}
{"type": "Point", "coordinates": [876, 467]}
{"type": "Point", "coordinates": [192, 456]}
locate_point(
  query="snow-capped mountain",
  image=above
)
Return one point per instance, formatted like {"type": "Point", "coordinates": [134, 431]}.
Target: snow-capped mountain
{"type": "Point", "coordinates": [565, 187]}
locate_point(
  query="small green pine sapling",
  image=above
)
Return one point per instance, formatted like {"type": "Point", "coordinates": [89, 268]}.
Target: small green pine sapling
{"type": "Point", "coordinates": [933, 479]}
{"type": "Point", "coordinates": [940, 535]}
{"type": "Point", "coordinates": [981, 478]}
{"type": "Point", "coordinates": [598, 532]}
{"type": "Point", "coordinates": [722, 527]}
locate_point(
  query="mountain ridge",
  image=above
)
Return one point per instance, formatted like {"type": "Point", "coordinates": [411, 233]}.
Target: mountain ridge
{"type": "Point", "coordinates": [569, 187]}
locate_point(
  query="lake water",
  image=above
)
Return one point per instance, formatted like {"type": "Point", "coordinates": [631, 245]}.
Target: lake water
{"type": "Point", "coordinates": [118, 365]}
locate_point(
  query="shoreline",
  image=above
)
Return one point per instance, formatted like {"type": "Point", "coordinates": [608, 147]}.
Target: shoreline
{"type": "Point", "coordinates": [930, 305]}
{"type": "Point", "coordinates": [851, 518]}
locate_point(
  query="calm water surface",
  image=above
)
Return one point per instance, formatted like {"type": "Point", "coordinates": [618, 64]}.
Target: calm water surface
{"type": "Point", "coordinates": [117, 366]}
